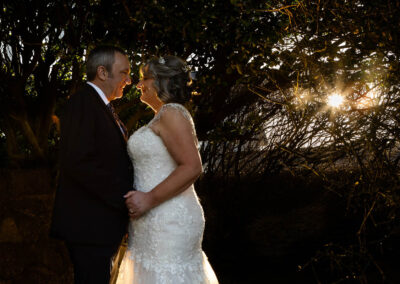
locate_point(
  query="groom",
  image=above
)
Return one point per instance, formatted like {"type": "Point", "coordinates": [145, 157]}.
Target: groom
{"type": "Point", "coordinates": [95, 170]}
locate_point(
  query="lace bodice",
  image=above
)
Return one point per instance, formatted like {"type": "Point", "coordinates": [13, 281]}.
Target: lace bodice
{"type": "Point", "coordinates": [177, 109]}
{"type": "Point", "coordinates": [165, 243]}
{"type": "Point", "coordinates": [151, 159]}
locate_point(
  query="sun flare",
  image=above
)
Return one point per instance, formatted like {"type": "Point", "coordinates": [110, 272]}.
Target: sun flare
{"type": "Point", "coordinates": [368, 100]}
{"type": "Point", "coordinates": [335, 100]}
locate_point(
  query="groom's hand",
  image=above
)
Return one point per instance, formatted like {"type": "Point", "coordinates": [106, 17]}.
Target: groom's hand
{"type": "Point", "coordinates": [138, 203]}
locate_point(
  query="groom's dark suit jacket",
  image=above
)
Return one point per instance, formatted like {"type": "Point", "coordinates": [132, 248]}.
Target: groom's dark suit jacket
{"type": "Point", "coordinates": [95, 173]}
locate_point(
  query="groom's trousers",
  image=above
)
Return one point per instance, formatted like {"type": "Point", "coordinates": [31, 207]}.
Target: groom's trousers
{"type": "Point", "coordinates": [91, 263]}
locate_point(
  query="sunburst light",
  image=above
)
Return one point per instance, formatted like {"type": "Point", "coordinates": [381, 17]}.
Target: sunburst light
{"type": "Point", "coordinates": [335, 100]}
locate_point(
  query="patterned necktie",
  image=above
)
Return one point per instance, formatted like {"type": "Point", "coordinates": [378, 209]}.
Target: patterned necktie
{"type": "Point", "coordinates": [121, 125]}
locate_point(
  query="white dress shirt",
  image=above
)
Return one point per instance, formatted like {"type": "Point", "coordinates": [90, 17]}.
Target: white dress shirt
{"type": "Point", "coordinates": [103, 97]}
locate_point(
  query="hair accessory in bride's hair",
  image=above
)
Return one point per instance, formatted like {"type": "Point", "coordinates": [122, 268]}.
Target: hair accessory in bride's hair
{"type": "Point", "coordinates": [161, 60]}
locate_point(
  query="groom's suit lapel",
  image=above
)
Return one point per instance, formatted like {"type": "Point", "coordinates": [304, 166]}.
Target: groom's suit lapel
{"type": "Point", "coordinates": [104, 108]}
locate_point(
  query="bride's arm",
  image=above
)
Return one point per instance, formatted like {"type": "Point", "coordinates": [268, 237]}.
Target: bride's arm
{"type": "Point", "coordinates": [177, 134]}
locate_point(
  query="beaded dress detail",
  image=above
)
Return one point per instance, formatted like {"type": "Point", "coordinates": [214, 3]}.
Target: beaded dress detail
{"type": "Point", "coordinates": [164, 244]}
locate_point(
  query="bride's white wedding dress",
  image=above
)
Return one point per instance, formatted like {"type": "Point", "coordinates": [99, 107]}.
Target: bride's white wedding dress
{"type": "Point", "coordinates": [164, 244]}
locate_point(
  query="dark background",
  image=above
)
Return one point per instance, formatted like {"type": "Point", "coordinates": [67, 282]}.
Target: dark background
{"type": "Point", "coordinates": [295, 190]}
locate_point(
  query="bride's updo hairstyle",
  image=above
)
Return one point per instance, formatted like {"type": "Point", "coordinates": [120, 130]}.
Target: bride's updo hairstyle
{"type": "Point", "coordinates": [171, 78]}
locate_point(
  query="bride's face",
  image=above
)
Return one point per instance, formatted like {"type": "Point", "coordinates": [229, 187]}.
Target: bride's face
{"type": "Point", "coordinates": [146, 86]}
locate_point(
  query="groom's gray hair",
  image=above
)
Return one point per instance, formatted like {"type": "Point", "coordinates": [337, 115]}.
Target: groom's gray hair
{"type": "Point", "coordinates": [101, 56]}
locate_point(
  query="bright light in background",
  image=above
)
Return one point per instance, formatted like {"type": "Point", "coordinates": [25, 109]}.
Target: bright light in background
{"type": "Point", "coordinates": [302, 97]}
{"type": "Point", "coordinates": [368, 100]}
{"type": "Point", "coordinates": [335, 100]}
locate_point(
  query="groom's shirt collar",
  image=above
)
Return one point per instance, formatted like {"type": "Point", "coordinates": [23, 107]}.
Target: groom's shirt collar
{"type": "Point", "coordinates": [100, 92]}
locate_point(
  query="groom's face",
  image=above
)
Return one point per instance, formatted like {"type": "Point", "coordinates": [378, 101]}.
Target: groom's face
{"type": "Point", "coordinates": [119, 76]}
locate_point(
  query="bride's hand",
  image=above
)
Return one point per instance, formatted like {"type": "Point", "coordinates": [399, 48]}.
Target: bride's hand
{"type": "Point", "coordinates": [138, 203]}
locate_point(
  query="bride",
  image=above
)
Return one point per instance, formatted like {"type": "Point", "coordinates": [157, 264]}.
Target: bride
{"type": "Point", "coordinates": [167, 220]}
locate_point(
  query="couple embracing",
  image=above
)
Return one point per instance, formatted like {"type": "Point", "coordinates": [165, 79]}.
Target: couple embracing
{"type": "Point", "coordinates": [111, 183]}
